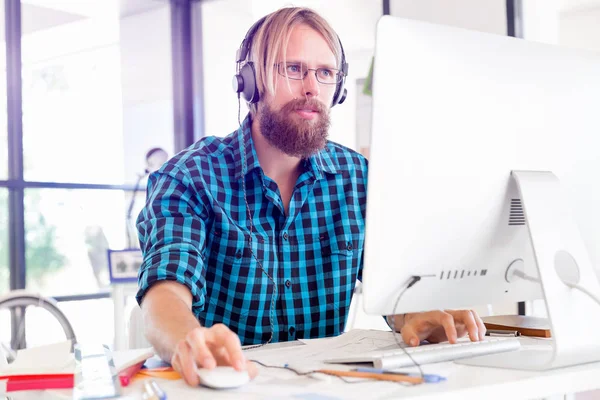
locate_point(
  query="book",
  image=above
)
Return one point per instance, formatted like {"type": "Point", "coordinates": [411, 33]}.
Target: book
{"type": "Point", "coordinates": [526, 325]}
{"type": "Point", "coordinates": [44, 367]}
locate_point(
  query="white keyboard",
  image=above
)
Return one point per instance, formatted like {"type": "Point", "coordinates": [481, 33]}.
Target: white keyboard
{"type": "Point", "coordinates": [432, 353]}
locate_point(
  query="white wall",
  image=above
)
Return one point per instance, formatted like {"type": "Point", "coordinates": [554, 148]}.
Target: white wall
{"type": "Point", "coordinates": [580, 28]}
{"type": "Point", "coordinates": [478, 15]}
{"type": "Point", "coordinates": [541, 20]}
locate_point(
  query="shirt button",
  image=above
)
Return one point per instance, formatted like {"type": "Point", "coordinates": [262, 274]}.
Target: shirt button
{"type": "Point", "coordinates": [292, 330]}
{"type": "Point", "coordinates": [285, 236]}
{"type": "Point", "coordinates": [288, 283]}
{"type": "Point", "coordinates": [238, 254]}
{"type": "Point", "coordinates": [349, 247]}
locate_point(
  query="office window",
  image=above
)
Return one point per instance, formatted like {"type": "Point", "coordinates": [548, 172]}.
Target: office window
{"type": "Point", "coordinates": [43, 328]}
{"type": "Point", "coordinates": [68, 233]}
{"type": "Point", "coordinates": [4, 272]}
{"type": "Point", "coordinates": [3, 127]}
{"type": "Point", "coordinates": [96, 96]}
{"type": "Point", "coordinates": [72, 125]}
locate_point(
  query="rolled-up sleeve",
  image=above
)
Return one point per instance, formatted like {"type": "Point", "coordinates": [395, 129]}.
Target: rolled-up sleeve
{"type": "Point", "coordinates": [172, 234]}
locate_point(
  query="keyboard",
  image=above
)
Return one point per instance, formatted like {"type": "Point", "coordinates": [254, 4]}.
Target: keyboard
{"type": "Point", "coordinates": [432, 353]}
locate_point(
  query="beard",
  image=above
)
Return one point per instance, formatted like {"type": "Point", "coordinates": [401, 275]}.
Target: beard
{"type": "Point", "coordinates": [293, 135]}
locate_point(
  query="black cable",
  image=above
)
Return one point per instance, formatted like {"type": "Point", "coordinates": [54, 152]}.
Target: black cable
{"type": "Point", "coordinates": [288, 368]}
{"type": "Point", "coordinates": [414, 279]}
{"type": "Point", "coordinates": [274, 294]}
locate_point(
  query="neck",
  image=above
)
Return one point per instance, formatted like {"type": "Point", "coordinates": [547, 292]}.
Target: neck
{"type": "Point", "coordinates": [276, 164]}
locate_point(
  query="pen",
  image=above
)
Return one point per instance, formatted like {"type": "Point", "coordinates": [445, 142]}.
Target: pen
{"type": "Point", "coordinates": [373, 375]}
{"type": "Point", "coordinates": [500, 333]}
{"type": "Point", "coordinates": [428, 378]}
{"type": "Point", "coordinates": [153, 392]}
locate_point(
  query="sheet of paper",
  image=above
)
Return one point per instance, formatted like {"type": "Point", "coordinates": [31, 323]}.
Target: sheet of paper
{"type": "Point", "coordinates": [126, 358]}
{"type": "Point", "coordinates": [54, 358]}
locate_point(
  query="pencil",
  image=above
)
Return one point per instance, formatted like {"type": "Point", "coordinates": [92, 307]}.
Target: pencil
{"type": "Point", "coordinates": [372, 375]}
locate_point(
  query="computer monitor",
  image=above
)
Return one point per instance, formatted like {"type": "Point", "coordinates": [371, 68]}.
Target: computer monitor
{"type": "Point", "coordinates": [484, 160]}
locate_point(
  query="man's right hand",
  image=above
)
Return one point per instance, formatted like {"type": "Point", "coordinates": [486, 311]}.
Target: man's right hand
{"type": "Point", "coordinates": [207, 348]}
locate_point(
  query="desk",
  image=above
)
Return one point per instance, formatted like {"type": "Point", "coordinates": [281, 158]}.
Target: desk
{"type": "Point", "coordinates": [464, 383]}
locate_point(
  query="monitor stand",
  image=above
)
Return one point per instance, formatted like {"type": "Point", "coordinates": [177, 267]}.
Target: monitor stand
{"type": "Point", "coordinates": [558, 250]}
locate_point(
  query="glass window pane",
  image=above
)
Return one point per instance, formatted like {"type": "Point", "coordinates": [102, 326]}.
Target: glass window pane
{"type": "Point", "coordinates": [96, 97]}
{"type": "Point", "coordinates": [4, 271]}
{"type": "Point", "coordinates": [3, 127]}
{"type": "Point", "coordinates": [68, 233]}
{"type": "Point", "coordinates": [43, 328]}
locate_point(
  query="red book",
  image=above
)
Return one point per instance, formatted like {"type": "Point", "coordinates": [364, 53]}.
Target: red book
{"type": "Point", "coordinates": [128, 373]}
{"type": "Point", "coordinates": [39, 382]}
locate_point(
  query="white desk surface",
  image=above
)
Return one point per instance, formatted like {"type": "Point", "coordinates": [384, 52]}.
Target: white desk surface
{"type": "Point", "coordinates": [463, 382]}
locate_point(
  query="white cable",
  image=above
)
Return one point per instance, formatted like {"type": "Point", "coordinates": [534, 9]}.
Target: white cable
{"type": "Point", "coordinates": [592, 296]}
{"type": "Point", "coordinates": [584, 290]}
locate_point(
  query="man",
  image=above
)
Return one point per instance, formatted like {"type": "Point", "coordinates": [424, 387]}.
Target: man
{"type": "Point", "coordinates": [259, 236]}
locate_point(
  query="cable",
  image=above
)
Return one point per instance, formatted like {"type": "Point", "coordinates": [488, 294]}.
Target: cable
{"type": "Point", "coordinates": [584, 290]}
{"type": "Point", "coordinates": [299, 373]}
{"type": "Point", "coordinates": [526, 277]}
{"type": "Point", "coordinates": [274, 294]}
{"type": "Point", "coordinates": [414, 279]}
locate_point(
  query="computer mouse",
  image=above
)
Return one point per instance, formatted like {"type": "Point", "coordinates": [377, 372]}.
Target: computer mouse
{"type": "Point", "coordinates": [223, 377]}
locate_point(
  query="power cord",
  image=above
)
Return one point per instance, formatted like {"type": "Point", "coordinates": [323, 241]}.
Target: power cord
{"type": "Point", "coordinates": [526, 277]}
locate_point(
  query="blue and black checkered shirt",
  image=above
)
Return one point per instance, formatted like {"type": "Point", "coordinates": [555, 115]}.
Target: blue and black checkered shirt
{"type": "Point", "coordinates": [194, 230]}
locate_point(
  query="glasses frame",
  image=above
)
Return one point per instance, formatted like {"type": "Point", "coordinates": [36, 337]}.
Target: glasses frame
{"type": "Point", "coordinates": [338, 73]}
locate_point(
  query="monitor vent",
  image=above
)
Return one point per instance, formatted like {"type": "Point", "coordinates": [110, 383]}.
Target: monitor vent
{"type": "Point", "coordinates": [517, 216]}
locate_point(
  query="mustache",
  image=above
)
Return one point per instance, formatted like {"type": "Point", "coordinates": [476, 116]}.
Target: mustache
{"type": "Point", "coordinates": [298, 104]}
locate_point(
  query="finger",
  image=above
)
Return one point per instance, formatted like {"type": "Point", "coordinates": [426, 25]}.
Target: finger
{"type": "Point", "coordinates": [222, 356]}
{"type": "Point", "coordinates": [202, 355]}
{"type": "Point", "coordinates": [467, 318]}
{"type": "Point", "coordinates": [187, 364]}
{"type": "Point", "coordinates": [480, 325]}
{"type": "Point", "coordinates": [252, 369]}
{"type": "Point", "coordinates": [410, 335]}
{"type": "Point", "coordinates": [221, 336]}
{"type": "Point", "coordinates": [446, 320]}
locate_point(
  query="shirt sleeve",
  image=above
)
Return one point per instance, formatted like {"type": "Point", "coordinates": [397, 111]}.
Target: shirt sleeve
{"type": "Point", "coordinates": [172, 234]}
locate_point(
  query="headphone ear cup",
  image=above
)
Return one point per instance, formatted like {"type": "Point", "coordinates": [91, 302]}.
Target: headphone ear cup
{"type": "Point", "coordinates": [249, 89]}
{"type": "Point", "coordinates": [343, 96]}
{"type": "Point", "coordinates": [340, 94]}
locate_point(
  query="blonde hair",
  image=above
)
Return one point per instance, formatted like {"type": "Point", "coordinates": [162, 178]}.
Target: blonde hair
{"type": "Point", "coordinates": [271, 38]}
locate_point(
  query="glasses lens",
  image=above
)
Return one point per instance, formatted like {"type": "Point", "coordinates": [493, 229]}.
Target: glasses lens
{"type": "Point", "coordinates": [328, 75]}
{"type": "Point", "coordinates": [291, 70]}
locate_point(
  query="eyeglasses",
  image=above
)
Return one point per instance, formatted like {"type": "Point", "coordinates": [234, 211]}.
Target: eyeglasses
{"type": "Point", "coordinates": [297, 71]}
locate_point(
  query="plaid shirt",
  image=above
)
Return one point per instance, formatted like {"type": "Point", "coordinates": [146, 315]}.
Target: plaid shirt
{"type": "Point", "coordinates": [194, 230]}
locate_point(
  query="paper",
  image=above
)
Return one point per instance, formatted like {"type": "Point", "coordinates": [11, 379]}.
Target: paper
{"type": "Point", "coordinates": [311, 356]}
{"type": "Point", "coordinates": [124, 359]}
{"type": "Point", "coordinates": [49, 359]}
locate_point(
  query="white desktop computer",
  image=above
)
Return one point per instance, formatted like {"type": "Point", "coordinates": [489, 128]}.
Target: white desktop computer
{"type": "Point", "coordinates": [484, 180]}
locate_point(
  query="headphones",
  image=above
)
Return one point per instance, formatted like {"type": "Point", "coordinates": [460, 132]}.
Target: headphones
{"type": "Point", "coordinates": [244, 81]}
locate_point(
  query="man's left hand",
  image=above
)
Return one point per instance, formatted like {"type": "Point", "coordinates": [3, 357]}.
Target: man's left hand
{"type": "Point", "coordinates": [439, 326]}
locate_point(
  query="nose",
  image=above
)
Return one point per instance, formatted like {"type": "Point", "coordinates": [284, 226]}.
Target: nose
{"type": "Point", "coordinates": [311, 86]}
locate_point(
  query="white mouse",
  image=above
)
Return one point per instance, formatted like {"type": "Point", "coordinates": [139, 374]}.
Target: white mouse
{"type": "Point", "coordinates": [223, 377]}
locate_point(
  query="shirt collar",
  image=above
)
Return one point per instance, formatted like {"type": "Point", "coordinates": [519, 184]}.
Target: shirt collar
{"type": "Point", "coordinates": [323, 161]}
